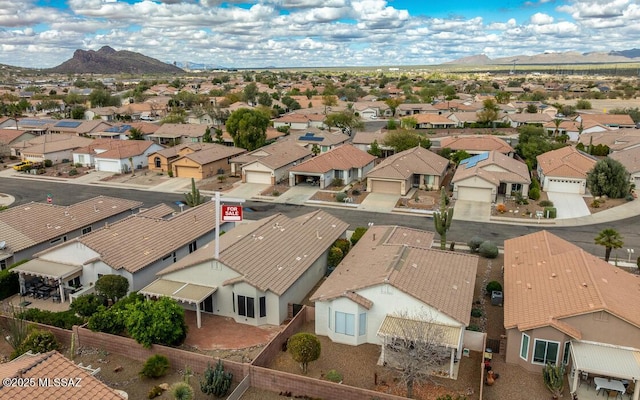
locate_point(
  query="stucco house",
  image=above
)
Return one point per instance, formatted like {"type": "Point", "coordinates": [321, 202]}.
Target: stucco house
{"type": "Point", "coordinates": [433, 121]}
{"type": "Point", "coordinates": [344, 162]}
{"type": "Point", "coordinates": [179, 133]}
{"type": "Point", "coordinates": [614, 121]}
{"type": "Point", "coordinates": [161, 160]}
{"type": "Point", "coordinates": [564, 305]}
{"type": "Point", "coordinates": [416, 167]}
{"type": "Point", "coordinates": [50, 147]}
{"type": "Point", "coordinates": [114, 155]}
{"type": "Point", "coordinates": [391, 271]}
{"type": "Point", "coordinates": [270, 164]}
{"type": "Point", "coordinates": [34, 227]}
{"type": "Point", "coordinates": [136, 247]}
{"type": "Point", "coordinates": [211, 160]}
{"type": "Point", "coordinates": [520, 119]}
{"type": "Point", "coordinates": [573, 128]}
{"type": "Point", "coordinates": [263, 268]}
{"type": "Point", "coordinates": [363, 140]}
{"type": "Point", "coordinates": [630, 159]}
{"type": "Point", "coordinates": [564, 170]}
{"type": "Point", "coordinates": [485, 176]}
{"type": "Point", "coordinates": [477, 144]}
{"type": "Point", "coordinates": [325, 140]}
{"type": "Point", "coordinates": [9, 137]}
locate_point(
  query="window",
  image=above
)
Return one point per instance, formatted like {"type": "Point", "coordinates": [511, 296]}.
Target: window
{"type": "Point", "coordinates": [157, 162]}
{"type": "Point", "coordinates": [246, 306]}
{"type": "Point", "coordinates": [86, 230]}
{"type": "Point", "coordinates": [58, 240]}
{"type": "Point", "coordinates": [193, 246]}
{"type": "Point", "coordinates": [362, 324]}
{"type": "Point", "coordinates": [345, 323]}
{"type": "Point", "coordinates": [75, 282]}
{"type": "Point", "coordinates": [329, 318]}
{"type": "Point", "coordinates": [233, 301]}
{"type": "Point", "coordinates": [338, 174]}
{"type": "Point", "coordinates": [545, 352]}
{"type": "Point", "coordinates": [3, 264]}
{"type": "Point", "coordinates": [565, 356]}
{"type": "Point", "coordinates": [524, 347]}
{"type": "Point", "coordinates": [263, 306]}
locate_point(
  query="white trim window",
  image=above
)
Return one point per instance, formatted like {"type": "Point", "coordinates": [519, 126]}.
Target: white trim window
{"type": "Point", "coordinates": [362, 324]}
{"type": "Point", "coordinates": [545, 351]}
{"type": "Point", "coordinates": [345, 323]}
{"type": "Point", "coordinates": [524, 346]}
{"type": "Point", "coordinates": [565, 355]}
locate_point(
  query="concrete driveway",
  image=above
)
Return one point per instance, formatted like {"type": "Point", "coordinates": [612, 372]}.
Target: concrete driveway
{"type": "Point", "coordinates": [568, 205]}
{"type": "Point", "coordinates": [246, 190]}
{"type": "Point", "coordinates": [467, 210]}
{"type": "Point", "coordinates": [379, 202]}
{"type": "Point", "coordinates": [297, 195]}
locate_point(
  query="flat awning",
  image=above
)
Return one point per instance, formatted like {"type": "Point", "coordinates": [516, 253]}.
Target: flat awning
{"type": "Point", "coordinates": [180, 291]}
{"type": "Point", "coordinates": [412, 329]}
{"type": "Point", "coordinates": [603, 359]}
{"type": "Point", "coordinates": [48, 269]}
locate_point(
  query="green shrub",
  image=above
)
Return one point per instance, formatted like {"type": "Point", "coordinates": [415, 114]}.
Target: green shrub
{"type": "Point", "coordinates": [334, 257]}
{"type": "Point", "coordinates": [87, 304]}
{"type": "Point", "coordinates": [73, 172]}
{"type": "Point", "coordinates": [333, 376]}
{"type": "Point", "coordinates": [475, 243]}
{"type": "Point", "coordinates": [343, 244]}
{"type": "Point", "coordinates": [355, 192]}
{"type": "Point", "coordinates": [63, 319]}
{"type": "Point", "coordinates": [488, 249]}
{"type": "Point", "coordinates": [154, 392]}
{"type": "Point", "coordinates": [545, 203]}
{"type": "Point", "coordinates": [357, 234]}
{"type": "Point", "coordinates": [534, 194]}
{"type": "Point", "coordinates": [494, 286]}
{"type": "Point", "coordinates": [476, 312]}
{"type": "Point", "coordinates": [596, 203]}
{"type": "Point", "coordinates": [9, 284]}
{"type": "Point", "coordinates": [48, 163]}
{"type": "Point", "coordinates": [275, 193]}
{"type": "Point", "coordinates": [156, 366]}
{"type": "Point", "coordinates": [37, 341]}
{"type": "Point", "coordinates": [340, 197]}
{"type": "Point", "coordinates": [629, 197]}
{"type": "Point", "coordinates": [170, 173]}
{"type": "Point", "coordinates": [182, 391]}
{"type": "Point", "coordinates": [304, 348]}
{"type": "Point", "coordinates": [338, 182]}
{"type": "Point", "coordinates": [550, 212]}
{"type": "Point", "coordinates": [216, 381]}
{"type": "Point", "coordinates": [473, 327]}
{"type": "Point", "coordinates": [78, 165]}
{"type": "Point", "coordinates": [107, 321]}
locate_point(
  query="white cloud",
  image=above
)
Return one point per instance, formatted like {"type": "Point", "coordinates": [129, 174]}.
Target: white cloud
{"type": "Point", "coordinates": [541, 19]}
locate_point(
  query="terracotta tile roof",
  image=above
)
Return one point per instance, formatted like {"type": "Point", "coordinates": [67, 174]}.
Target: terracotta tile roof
{"type": "Point", "coordinates": [548, 280]}
{"type": "Point", "coordinates": [293, 118]}
{"type": "Point", "coordinates": [178, 130]}
{"type": "Point", "coordinates": [275, 155]}
{"type": "Point", "coordinates": [432, 119]}
{"type": "Point", "coordinates": [618, 139]}
{"type": "Point", "coordinates": [9, 135]}
{"type": "Point", "coordinates": [272, 253]}
{"type": "Point", "coordinates": [565, 162]}
{"type": "Point", "coordinates": [115, 148]}
{"type": "Point", "coordinates": [403, 257]}
{"type": "Point", "coordinates": [213, 153]}
{"type": "Point", "coordinates": [343, 158]}
{"type": "Point", "coordinates": [476, 143]}
{"type": "Point", "coordinates": [54, 137]}
{"type": "Point", "coordinates": [53, 365]}
{"type": "Point", "coordinates": [138, 241]}
{"type": "Point", "coordinates": [174, 150]}
{"type": "Point", "coordinates": [629, 158]}
{"type": "Point", "coordinates": [610, 119]}
{"type": "Point", "coordinates": [362, 137]}
{"type": "Point", "coordinates": [27, 225]}
{"type": "Point", "coordinates": [496, 168]}
{"type": "Point", "coordinates": [412, 161]}
{"type": "Point", "coordinates": [72, 143]}
{"type": "Point", "coordinates": [529, 118]}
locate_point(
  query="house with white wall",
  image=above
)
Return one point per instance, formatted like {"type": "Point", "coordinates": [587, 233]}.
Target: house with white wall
{"type": "Point", "coordinates": [112, 155]}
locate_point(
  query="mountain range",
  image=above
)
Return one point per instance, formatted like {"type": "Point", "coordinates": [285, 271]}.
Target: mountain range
{"type": "Point", "coordinates": [109, 61]}
{"type": "Point", "coordinates": [550, 58]}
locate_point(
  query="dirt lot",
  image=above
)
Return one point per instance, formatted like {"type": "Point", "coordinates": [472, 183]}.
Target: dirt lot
{"type": "Point", "coordinates": [357, 192]}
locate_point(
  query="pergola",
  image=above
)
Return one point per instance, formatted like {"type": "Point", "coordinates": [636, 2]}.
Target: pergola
{"type": "Point", "coordinates": [55, 271]}
{"type": "Point", "coordinates": [189, 293]}
{"type": "Point", "coordinates": [605, 360]}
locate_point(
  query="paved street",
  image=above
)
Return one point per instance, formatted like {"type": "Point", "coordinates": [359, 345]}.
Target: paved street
{"type": "Point", "coordinates": [25, 191]}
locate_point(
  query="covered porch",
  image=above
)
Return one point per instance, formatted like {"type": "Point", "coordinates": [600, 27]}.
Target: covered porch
{"type": "Point", "coordinates": [599, 368]}
{"type": "Point", "coordinates": [199, 295]}
{"type": "Point", "coordinates": [402, 335]}
{"type": "Point", "coordinates": [43, 279]}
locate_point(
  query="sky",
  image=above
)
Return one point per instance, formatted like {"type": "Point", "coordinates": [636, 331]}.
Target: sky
{"type": "Point", "coordinates": [312, 33]}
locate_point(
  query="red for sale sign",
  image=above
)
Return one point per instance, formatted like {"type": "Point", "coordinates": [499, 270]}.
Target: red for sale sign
{"type": "Point", "coordinates": [231, 213]}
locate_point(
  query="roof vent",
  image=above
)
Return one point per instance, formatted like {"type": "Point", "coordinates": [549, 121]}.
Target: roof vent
{"type": "Point", "coordinates": [584, 284]}
{"type": "Point", "coordinates": [553, 275]}
{"type": "Point", "coordinates": [528, 286]}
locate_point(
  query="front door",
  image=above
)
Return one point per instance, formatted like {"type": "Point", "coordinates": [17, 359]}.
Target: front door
{"type": "Point", "coordinates": [502, 189]}
{"type": "Point", "coordinates": [207, 304]}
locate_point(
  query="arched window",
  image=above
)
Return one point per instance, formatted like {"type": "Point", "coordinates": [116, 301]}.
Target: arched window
{"type": "Point", "coordinates": [157, 162]}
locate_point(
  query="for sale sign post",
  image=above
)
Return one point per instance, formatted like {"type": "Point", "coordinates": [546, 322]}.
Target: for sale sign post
{"type": "Point", "coordinates": [231, 213]}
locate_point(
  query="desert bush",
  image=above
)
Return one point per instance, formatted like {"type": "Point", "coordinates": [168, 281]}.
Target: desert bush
{"type": "Point", "coordinates": [170, 173]}
{"type": "Point", "coordinates": [475, 243]}
{"type": "Point", "coordinates": [73, 172]}
{"type": "Point", "coordinates": [275, 193]}
{"type": "Point", "coordinates": [333, 376]}
{"type": "Point", "coordinates": [596, 203]}
{"type": "Point", "coordinates": [156, 366]}
{"type": "Point", "coordinates": [355, 192]}
{"type": "Point", "coordinates": [534, 193]}
{"type": "Point", "coordinates": [334, 257]}
{"type": "Point", "coordinates": [340, 197]}
{"type": "Point", "coordinates": [154, 392]}
{"type": "Point", "coordinates": [488, 249]}
{"type": "Point", "coordinates": [473, 327]}
{"type": "Point", "coordinates": [476, 312]}
{"type": "Point", "coordinates": [37, 341]}
{"type": "Point", "coordinates": [629, 197]}
{"type": "Point", "coordinates": [48, 163]}
{"type": "Point", "coordinates": [216, 381]}
{"type": "Point", "coordinates": [545, 203]}
{"type": "Point", "coordinates": [182, 391]}
{"type": "Point", "coordinates": [63, 319]}
{"type": "Point", "coordinates": [494, 286]}
{"type": "Point", "coordinates": [78, 165]}
{"type": "Point", "coordinates": [304, 348]}
{"type": "Point", "coordinates": [338, 182]}
{"type": "Point", "coordinates": [357, 234]}
{"type": "Point", "coordinates": [343, 244]}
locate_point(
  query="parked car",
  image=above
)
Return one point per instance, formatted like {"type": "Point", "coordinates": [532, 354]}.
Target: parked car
{"type": "Point", "coordinates": [23, 166]}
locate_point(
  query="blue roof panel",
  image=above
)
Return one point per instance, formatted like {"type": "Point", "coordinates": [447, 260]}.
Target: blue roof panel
{"type": "Point", "coordinates": [68, 124]}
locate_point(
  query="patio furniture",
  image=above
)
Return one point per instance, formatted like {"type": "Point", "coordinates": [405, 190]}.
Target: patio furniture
{"type": "Point", "coordinates": [609, 385]}
{"type": "Point", "coordinates": [584, 377]}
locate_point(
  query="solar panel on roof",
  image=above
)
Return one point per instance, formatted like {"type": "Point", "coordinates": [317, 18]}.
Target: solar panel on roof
{"type": "Point", "coordinates": [118, 128]}
{"type": "Point", "coordinates": [472, 161]}
{"type": "Point", "coordinates": [68, 124]}
{"type": "Point", "coordinates": [311, 138]}
{"type": "Point", "coordinates": [34, 122]}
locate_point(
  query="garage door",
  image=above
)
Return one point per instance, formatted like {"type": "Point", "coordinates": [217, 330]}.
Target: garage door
{"type": "Point", "coordinates": [564, 186]}
{"type": "Point", "coordinates": [258, 177]}
{"type": "Point", "coordinates": [474, 194]}
{"type": "Point", "coordinates": [389, 187]}
{"type": "Point", "coordinates": [188, 172]}
{"type": "Point", "coordinates": [108, 166]}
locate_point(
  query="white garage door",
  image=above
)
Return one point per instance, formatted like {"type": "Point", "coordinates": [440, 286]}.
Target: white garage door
{"type": "Point", "coordinates": [108, 166]}
{"type": "Point", "coordinates": [389, 187]}
{"type": "Point", "coordinates": [474, 194]}
{"type": "Point", "coordinates": [258, 177]}
{"type": "Point", "coordinates": [564, 186]}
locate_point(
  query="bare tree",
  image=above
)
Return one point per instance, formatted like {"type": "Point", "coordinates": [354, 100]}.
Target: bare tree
{"type": "Point", "coordinates": [415, 346]}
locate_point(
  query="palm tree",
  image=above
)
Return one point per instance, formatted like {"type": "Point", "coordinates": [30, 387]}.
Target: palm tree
{"type": "Point", "coordinates": [557, 123]}
{"type": "Point", "coordinates": [610, 239]}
